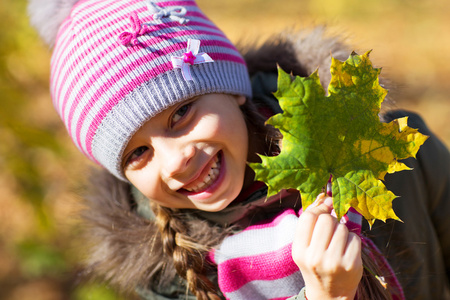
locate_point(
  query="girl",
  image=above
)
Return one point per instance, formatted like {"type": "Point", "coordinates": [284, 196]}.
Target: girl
{"type": "Point", "coordinates": [156, 94]}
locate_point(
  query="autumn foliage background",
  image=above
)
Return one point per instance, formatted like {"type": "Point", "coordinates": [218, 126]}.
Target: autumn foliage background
{"type": "Point", "coordinates": [42, 174]}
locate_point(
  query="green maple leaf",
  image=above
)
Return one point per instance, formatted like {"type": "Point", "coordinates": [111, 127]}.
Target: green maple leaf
{"type": "Point", "coordinates": [338, 136]}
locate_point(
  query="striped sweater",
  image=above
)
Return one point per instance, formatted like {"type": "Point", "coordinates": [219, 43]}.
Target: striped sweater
{"type": "Point", "coordinates": [256, 263]}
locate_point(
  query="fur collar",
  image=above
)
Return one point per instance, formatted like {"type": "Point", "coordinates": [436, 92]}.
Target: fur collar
{"type": "Point", "coordinates": [124, 248]}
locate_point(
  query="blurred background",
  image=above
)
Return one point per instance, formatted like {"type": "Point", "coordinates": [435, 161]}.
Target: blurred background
{"type": "Point", "coordinates": [41, 172]}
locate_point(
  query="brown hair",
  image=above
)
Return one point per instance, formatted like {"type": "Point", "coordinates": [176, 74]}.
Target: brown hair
{"type": "Point", "coordinates": [370, 287]}
{"type": "Point", "coordinates": [188, 255]}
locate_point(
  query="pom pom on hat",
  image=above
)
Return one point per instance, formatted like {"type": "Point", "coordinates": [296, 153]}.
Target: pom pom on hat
{"type": "Point", "coordinates": [118, 63]}
{"type": "Point", "coordinates": [47, 15]}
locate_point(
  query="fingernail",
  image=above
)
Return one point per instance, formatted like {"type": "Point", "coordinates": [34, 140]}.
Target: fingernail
{"type": "Point", "coordinates": [312, 205]}
{"type": "Point", "coordinates": [329, 202]}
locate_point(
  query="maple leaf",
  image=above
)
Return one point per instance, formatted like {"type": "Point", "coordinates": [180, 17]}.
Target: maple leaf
{"type": "Point", "coordinates": [338, 135]}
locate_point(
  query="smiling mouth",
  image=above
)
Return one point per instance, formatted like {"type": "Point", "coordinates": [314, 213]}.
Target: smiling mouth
{"type": "Point", "coordinates": [204, 183]}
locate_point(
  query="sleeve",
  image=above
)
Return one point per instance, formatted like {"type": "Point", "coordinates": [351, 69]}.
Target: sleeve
{"type": "Point", "coordinates": [418, 248]}
{"type": "Point", "coordinates": [434, 161]}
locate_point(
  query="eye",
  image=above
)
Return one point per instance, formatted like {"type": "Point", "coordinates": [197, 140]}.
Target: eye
{"type": "Point", "coordinates": [179, 114]}
{"type": "Point", "coordinates": [136, 156]}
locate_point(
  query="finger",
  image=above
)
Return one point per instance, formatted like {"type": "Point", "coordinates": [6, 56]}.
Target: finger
{"type": "Point", "coordinates": [352, 254]}
{"type": "Point", "coordinates": [307, 220]}
{"type": "Point", "coordinates": [304, 229]}
{"type": "Point", "coordinates": [324, 231]}
{"type": "Point", "coordinates": [340, 240]}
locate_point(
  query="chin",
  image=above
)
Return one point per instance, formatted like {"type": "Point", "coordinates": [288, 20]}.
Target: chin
{"type": "Point", "coordinates": [214, 207]}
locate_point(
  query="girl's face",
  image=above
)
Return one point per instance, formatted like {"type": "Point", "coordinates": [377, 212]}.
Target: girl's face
{"type": "Point", "coordinates": [191, 155]}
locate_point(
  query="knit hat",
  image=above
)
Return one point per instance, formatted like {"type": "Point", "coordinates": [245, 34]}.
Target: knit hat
{"type": "Point", "coordinates": [117, 63]}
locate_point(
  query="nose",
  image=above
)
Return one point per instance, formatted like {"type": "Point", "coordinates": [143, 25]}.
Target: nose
{"type": "Point", "coordinates": [175, 158]}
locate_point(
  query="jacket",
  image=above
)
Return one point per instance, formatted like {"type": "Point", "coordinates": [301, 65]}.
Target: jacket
{"type": "Point", "coordinates": [126, 247]}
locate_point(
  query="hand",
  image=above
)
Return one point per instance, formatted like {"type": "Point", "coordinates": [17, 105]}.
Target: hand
{"type": "Point", "coordinates": [328, 255]}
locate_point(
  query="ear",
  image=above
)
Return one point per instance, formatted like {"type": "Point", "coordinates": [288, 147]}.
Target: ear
{"type": "Point", "coordinates": [240, 100]}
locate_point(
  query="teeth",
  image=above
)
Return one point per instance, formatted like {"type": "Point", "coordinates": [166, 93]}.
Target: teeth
{"type": "Point", "coordinates": [212, 175]}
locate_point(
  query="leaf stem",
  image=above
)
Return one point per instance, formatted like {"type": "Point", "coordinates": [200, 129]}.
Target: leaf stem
{"type": "Point", "coordinates": [379, 278]}
{"type": "Point", "coordinates": [328, 187]}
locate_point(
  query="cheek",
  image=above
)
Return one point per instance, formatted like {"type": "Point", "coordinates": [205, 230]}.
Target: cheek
{"type": "Point", "coordinates": [145, 180]}
{"type": "Point", "coordinates": [241, 138]}
{"type": "Point", "coordinates": [238, 128]}
{"type": "Point", "coordinates": [232, 130]}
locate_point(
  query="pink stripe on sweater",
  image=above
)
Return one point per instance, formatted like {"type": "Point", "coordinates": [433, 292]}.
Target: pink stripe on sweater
{"type": "Point", "coordinates": [259, 267]}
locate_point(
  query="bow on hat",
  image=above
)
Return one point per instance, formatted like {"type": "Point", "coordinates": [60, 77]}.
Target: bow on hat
{"type": "Point", "coordinates": [190, 57]}
{"type": "Point", "coordinates": [174, 13]}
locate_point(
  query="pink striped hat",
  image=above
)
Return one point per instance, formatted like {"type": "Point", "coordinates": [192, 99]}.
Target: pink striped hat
{"type": "Point", "coordinates": [117, 63]}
